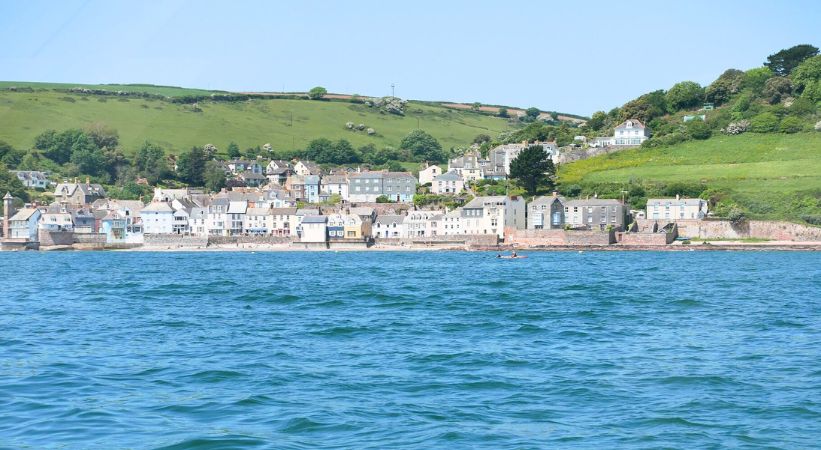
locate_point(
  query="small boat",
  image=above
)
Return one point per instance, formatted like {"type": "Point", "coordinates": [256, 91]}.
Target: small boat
{"type": "Point", "coordinates": [511, 257]}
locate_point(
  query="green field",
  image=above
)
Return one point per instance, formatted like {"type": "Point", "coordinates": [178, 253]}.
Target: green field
{"type": "Point", "coordinates": [766, 173]}
{"type": "Point", "coordinates": [168, 91]}
{"type": "Point", "coordinates": [284, 123]}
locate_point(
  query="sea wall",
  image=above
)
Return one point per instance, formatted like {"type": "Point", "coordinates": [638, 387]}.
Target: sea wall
{"type": "Point", "coordinates": [476, 240]}
{"type": "Point", "coordinates": [724, 229]}
{"type": "Point", "coordinates": [51, 238]}
{"type": "Point", "coordinates": [174, 241]}
{"type": "Point", "coordinates": [646, 238]}
{"type": "Point", "coordinates": [250, 239]}
{"type": "Point", "coordinates": [89, 241]}
{"type": "Point", "coordinates": [533, 238]}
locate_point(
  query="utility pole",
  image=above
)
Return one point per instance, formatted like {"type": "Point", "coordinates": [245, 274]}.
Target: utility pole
{"type": "Point", "coordinates": [393, 90]}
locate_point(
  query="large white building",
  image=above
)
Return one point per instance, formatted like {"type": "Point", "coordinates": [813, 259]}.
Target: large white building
{"type": "Point", "coordinates": [630, 133]}
{"type": "Point", "coordinates": [672, 209]}
{"type": "Point", "coordinates": [158, 218]}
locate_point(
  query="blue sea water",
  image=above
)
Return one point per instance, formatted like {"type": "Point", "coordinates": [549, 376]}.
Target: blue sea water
{"type": "Point", "coordinates": [345, 350]}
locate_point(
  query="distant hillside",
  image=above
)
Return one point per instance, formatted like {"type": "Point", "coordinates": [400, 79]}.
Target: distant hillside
{"type": "Point", "coordinates": [771, 176]}
{"type": "Point", "coordinates": [285, 123]}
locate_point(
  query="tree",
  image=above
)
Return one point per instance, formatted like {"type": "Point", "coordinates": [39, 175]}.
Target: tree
{"type": "Point", "coordinates": [645, 108]}
{"type": "Point", "coordinates": [233, 150]}
{"type": "Point", "coordinates": [776, 89]}
{"type": "Point", "coordinates": [532, 114]}
{"type": "Point", "coordinates": [532, 168]}
{"type": "Point", "coordinates": [394, 166]}
{"type": "Point", "coordinates": [503, 113]}
{"type": "Point", "coordinates": [191, 166]}
{"type": "Point", "coordinates": [754, 79]}
{"type": "Point", "coordinates": [102, 135]}
{"type": "Point", "coordinates": [317, 93]}
{"type": "Point", "coordinates": [87, 156]}
{"type": "Point", "coordinates": [686, 94]}
{"type": "Point", "coordinates": [422, 146]}
{"type": "Point", "coordinates": [10, 183]}
{"type": "Point", "coordinates": [383, 199]}
{"type": "Point", "coordinates": [476, 106]}
{"type": "Point", "coordinates": [784, 61]}
{"type": "Point", "coordinates": [725, 86]}
{"type": "Point", "coordinates": [597, 120]}
{"type": "Point", "coordinates": [214, 176]}
{"type": "Point", "coordinates": [554, 115]}
{"type": "Point", "coordinates": [57, 146]}
{"type": "Point", "coordinates": [808, 73]}
{"type": "Point", "coordinates": [320, 150]}
{"type": "Point", "coordinates": [151, 163]}
{"type": "Point", "coordinates": [481, 139]}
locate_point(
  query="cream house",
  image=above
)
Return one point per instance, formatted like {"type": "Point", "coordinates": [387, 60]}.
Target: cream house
{"type": "Point", "coordinates": [427, 174]}
{"type": "Point", "coordinates": [672, 209]}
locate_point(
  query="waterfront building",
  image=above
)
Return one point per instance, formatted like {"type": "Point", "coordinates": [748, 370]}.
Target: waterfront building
{"type": "Point", "coordinates": [679, 208]}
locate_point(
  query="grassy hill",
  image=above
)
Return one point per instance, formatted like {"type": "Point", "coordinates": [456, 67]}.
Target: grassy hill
{"type": "Point", "coordinates": [284, 123]}
{"type": "Point", "coordinates": [772, 176]}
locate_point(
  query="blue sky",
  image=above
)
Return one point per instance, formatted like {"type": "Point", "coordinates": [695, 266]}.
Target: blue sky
{"type": "Point", "coordinates": [575, 57]}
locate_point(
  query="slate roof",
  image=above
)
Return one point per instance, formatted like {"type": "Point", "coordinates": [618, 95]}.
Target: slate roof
{"type": "Point", "coordinates": [315, 219]}
{"type": "Point", "coordinates": [389, 219]}
{"type": "Point", "coordinates": [23, 214]}
{"type": "Point", "coordinates": [158, 207]}
{"type": "Point", "coordinates": [448, 176]}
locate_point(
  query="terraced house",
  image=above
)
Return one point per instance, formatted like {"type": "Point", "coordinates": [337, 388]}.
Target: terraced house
{"type": "Point", "coordinates": [368, 186]}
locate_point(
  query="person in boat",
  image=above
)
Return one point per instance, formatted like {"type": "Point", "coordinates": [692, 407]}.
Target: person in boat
{"type": "Point", "coordinates": [514, 254]}
{"type": "Point", "coordinates": [498, 255]}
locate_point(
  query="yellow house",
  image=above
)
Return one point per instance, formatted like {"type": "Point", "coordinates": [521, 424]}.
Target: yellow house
{"type": "Point", "coordinates": [356, 228]}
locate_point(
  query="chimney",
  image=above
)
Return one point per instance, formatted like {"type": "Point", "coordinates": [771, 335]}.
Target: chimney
{"type": "Point", "coordinates": [677, 196]}
{"type": "Point", "coordinates": [7, 213]}
{"type": "Point", "coordinates": [88, 180]}
{"type": "Point", "coordinates": [555, 194]}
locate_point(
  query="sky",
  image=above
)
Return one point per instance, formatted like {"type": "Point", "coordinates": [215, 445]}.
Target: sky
{"type": "Point", "coordinates": [575, 57]}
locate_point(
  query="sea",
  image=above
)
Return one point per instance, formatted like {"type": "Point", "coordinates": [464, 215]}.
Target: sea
{"type": "Point", "coordinates": [395, 350]}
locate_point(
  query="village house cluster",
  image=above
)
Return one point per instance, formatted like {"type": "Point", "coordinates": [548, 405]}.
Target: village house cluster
{"type": "Point", "coordinates": [299, 202]}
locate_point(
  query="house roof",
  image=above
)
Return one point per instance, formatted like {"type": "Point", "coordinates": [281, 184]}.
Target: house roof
{"type": "Point", "coordinates": [315, 219]}
{"type": "Point", "coordinates": [257, 212]}
{"type": "Point", "coordinates": [685, 201]}
{"type": "Point", "coordinates": [389, 219]}
{"type": "Point", "coordinates": [636, 124]}
{"type": "Point", "coordinates": [479, 202]}
{"type": "Point", "coordinates": [335, 179]}
{"type": "Point", "coordinates": [448, 176]}
{"type": "Point", "coordinates": [546, 200]}
{"type": "Point", "coordinates": [158, 207]}
{"type": "Point", "coordinates": [24, 214]}
{"type": "Point", "coordinates": [248, 175]}
{"type": "Point", "coordinates": [362, 210]}
{"type": "Point", "coordinates": [307, 212]}
{"type": "Point", "coordinates": [312, 179]}
{"type": "Point", "coordinates": [239, 207]}
{"type": "Point", "coordinates": [283, 211]}
{"type": "Point", "coordinates": [594, 202]}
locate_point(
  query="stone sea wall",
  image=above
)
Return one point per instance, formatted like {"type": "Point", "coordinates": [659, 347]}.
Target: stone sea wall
{"type": "Point", "coordinates": [532, 238]}
{"type": "Point", "coordinates": [174, 241]}
{"type": "Point", "coordinates": [250, 239]}
{"type": "Point", "coordinates": [724, 229]}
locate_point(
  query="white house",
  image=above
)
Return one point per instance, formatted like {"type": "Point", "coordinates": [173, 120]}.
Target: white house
{"type": "Point", "coordinates": [158, 218]}
{"type": "Point", "coordinates": [672, 209]}
{"type": "Point", "coordinates": [23, 224]}
{"type": "Point", "coordinates": [492, 214]}
{"type": "Point", "coordinates": [389, 226]}
{"type": "Point", "coordinates": [427, 174]}
{"type": "Point", "coordinates": [448, 183]}
{"type": "Point", "coordinates": [314, 229]}
{"type": "Point", "coordinates": [334, 185]}
{"type": "Point", "coordinates": [417, 223]}
{"type": "Point", "coordinates": [631, 132]}
{"type": "Point", "coordinates": [32, 178]}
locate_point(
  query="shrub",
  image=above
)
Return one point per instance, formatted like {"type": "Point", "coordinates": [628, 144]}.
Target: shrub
{"type": "Point", "coordinates": [791, 124]}
{"type": "Point", "coordinates": [736, 215]}
{"type": "Point", "coordinates": [765, 122]}
{"type": "Point", "coordinates": [737, 127]}
{"type": "Point", "coordinates": [776, 89]}
{"type": "Point", "coordinates": [698, 129]}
